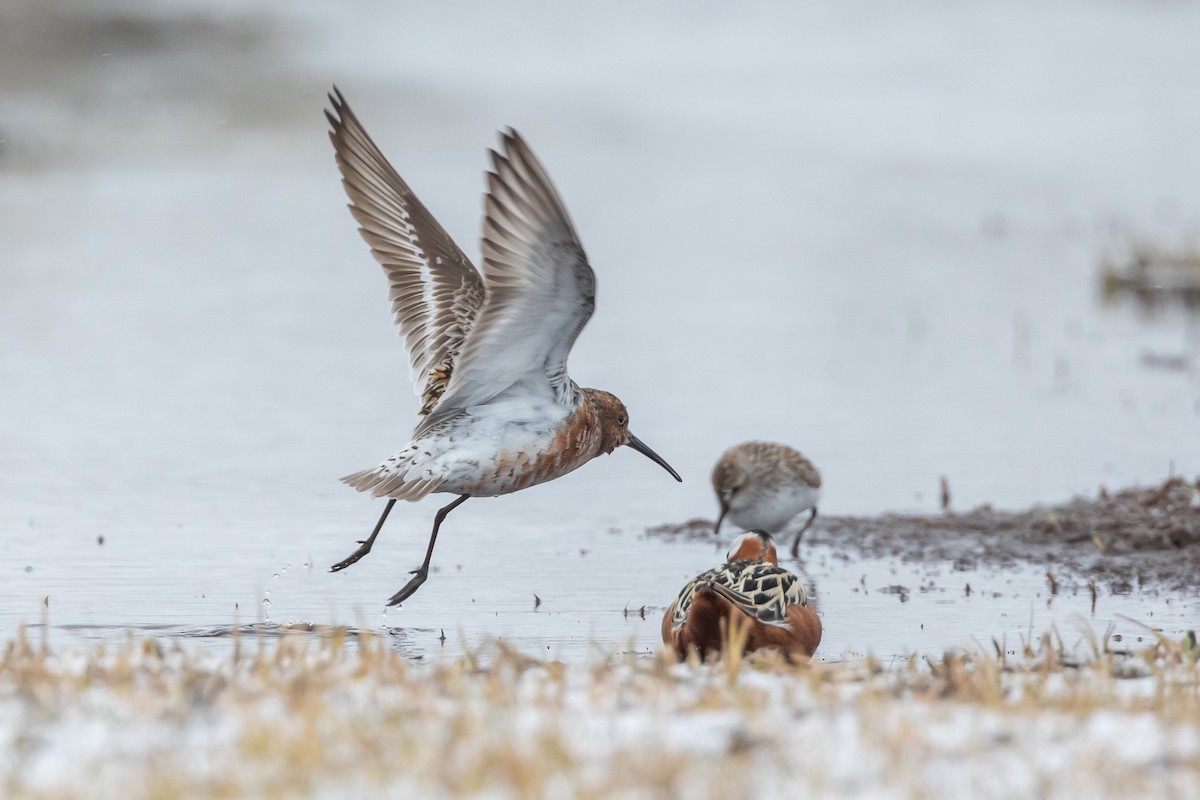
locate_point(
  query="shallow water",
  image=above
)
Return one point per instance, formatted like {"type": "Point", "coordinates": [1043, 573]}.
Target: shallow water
{"type": "Point", "coordinates": [882, 607]}
{"type": "Point", "coordinates": [873, 235]}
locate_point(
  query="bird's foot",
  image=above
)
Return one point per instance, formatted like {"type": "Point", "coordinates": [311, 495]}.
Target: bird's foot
{"type": "Point", "coordinates": [411, 587]}
{"type": "Point", "coordinates": [364, 548]}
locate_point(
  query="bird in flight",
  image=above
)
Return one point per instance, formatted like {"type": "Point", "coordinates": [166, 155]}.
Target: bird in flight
{"type": "Point", "coordinates": [499, 413]}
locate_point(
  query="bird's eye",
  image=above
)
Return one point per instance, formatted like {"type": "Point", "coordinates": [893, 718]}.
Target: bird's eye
{"type": "Point", "coordinates": [622, 419]}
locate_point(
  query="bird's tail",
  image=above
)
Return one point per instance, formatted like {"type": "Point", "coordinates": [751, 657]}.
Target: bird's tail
{"type": "Point", "coordinates": [393, 480]}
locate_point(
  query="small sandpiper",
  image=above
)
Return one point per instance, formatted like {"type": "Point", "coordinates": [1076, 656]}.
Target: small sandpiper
{"type": "Point", "coordinates": [763, 485]}
{"type": "Point", "coordinates": [750, 587]}
{"type": "Point", "coordinates": [499, 413]}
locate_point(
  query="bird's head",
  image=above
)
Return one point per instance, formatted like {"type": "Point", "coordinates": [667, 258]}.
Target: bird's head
{"type": "Point", "coordinates": [753, 546]}
{"type": "Point", "coordinates": [728, 480]}
{"type": "Point", "coordinates": [614, 429]}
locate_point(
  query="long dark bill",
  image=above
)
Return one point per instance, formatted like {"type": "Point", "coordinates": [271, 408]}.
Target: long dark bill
{"type": "Point", "coordinates": [640, 446]}
{"type": "Point", "coordinates": [720, 519]}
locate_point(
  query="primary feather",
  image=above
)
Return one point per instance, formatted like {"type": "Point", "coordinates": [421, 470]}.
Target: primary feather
{"type": "Point", "coordinates": [435, 291]}
{"type": "Point", "coordinates": [540, 293]}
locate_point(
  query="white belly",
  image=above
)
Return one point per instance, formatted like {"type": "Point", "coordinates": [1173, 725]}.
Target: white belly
{"type": "Point", "coordinates": [484, 457]}
{"type": "Point", "coordinates": [771, 511]}
{"type": "Point", "coordinates": [482, 452]}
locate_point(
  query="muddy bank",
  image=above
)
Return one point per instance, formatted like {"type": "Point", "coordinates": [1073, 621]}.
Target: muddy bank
{"type": "Point", "coordinates": [1135, 538]}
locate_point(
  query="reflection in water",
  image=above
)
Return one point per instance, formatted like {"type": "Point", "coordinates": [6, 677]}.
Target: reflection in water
{"type": "Point", "coordinates": [226, 638]}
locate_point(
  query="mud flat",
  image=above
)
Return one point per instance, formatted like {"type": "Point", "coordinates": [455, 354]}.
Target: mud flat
{"type": "Point", "coordinates": [1131, 539]}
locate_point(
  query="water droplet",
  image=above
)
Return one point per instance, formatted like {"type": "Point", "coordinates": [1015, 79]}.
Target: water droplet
{"type": "Point", "coordinates": [275, 576]}
{"type": "Point", "coordinates": [266, 602]}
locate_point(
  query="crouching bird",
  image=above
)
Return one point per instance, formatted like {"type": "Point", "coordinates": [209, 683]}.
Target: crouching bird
{"type": "Point", "coordinates": [761, 486]}
{"type": "Point", "coordinates": [750, 589]}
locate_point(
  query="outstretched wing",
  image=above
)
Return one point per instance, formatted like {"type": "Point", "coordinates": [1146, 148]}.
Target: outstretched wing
{"type": "Point", "coordinates": [435, 291]}
{"type": "Point", "coordinates": [540, 292]}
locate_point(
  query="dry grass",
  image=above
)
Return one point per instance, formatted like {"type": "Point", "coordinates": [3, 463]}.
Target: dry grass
{"type": "Point", "coordinates": [351, 718]}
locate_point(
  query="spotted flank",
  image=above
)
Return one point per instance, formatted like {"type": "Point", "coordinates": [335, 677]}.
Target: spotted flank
{"type": "Point", "coordinates": [407, 475]}
{"type": "Point", "coordinates": [762, 590]}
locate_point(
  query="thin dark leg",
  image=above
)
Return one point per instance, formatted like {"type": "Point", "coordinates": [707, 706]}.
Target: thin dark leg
{"type": "Point", "coordinates": [796, 542]}
{"type": "Point", "coordinates": [366, 544]}
{"type": "Point", "coordinates": [422, 572]}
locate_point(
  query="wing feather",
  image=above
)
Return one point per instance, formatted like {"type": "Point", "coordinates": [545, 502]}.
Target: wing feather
{"type": "Point", "coordinates": [759, 589]}
{"type": "Point", "coordinates": [435, 291]}
{"type": "Point", "coordinates": [540, 292]}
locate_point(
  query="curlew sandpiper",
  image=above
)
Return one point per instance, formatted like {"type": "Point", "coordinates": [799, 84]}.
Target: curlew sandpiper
{"type": "Point", "coordinates": [499, 413]}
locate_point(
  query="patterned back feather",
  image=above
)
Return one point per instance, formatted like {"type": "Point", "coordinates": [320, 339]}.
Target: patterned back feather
{"type": "Point", "coordinates": [762, 590]}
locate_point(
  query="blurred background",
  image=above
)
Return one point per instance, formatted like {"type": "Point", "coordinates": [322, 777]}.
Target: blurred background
{"type": "Point", "coordinates": [877, 233]}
